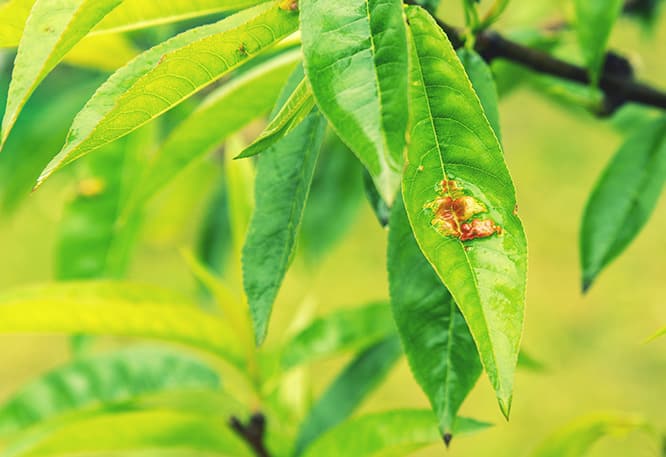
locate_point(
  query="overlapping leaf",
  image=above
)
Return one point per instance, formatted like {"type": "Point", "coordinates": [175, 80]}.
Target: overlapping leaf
{"type": "Point", "coordinates": [484, 85]}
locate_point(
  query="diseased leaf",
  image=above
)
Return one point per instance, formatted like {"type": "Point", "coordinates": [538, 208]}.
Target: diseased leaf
{"type": "Point", "coordinates": [623, 199]}
{"type": "Point", "coordinates": [101, 380]}
{"type": "Point", "coordinates": [386, 434]}
{"type": "Point", "coordinates": [157, 79]}
{"type": "Point", "coordinates": [282, 184]}
{"type": "Point", "coordinates": [594, 22]}
{"type": "Point", "coordinates": [340, 331]}
{"type": "Point", "coordinates": [437, 342]}
{"type": "Point", "coordinates": [355, 54]}
{"type": "Point", "coordinates": [50, 31]}
{"type": "Point", "coordinates": [348, 390]}
{"type": "Point", "coordinates": [460, 201]}
{"type": "Point", "coordinates": [484, 85]}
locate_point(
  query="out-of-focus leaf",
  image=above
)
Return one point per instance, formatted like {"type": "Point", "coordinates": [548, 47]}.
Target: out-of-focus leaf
{"type": "Point", "coordinates": [576, 438]}
{"type": "Point", "coordinates": [527, 362]}
{"type": "Point", "coordinates": [293, 111]}
{"type": "Point", "coordinates": [484, 85]}
{"type": "Point", "coordinates": [333, 202]}
{"type": "Point", "coordinates": [348, 390]}
{"type": "Point", "coordinates": [102, 380]}
{"type": "Point", "coordinates": [379, 206]}
{"type": "Point", "coordinates": [430, 5]}
{"type": "Point", "coordinates": [386, 434]}
{"type": "Point", "coordinates": [135, 431]}
{"type": "Point", "coordinates": [461, 203]}
{"type": "Point", "coordinates": [50, 31]}
{"type": "Point", "coordinates": [214, 237]}
{"type": "Point", "coordinates": [14, 13]}
{"type": "Point", "coordinates": [623, 198]}
{"type": "Point", "coordinates": [157, 79]}
{"type": "Point", "coordinates": [239, 175]}
{"type": "Point", "coordinates": [340, 331]}
{"type": "Point", "coordinates": [594, 22]}
{"type": "Point", "coordinates": [101, 52]}
{"type": "Point", "coordinates": [252, 94]}
{"type": "Point", "coordinates": [282, 184]}
{"type": "Point", "coordinates": [437, 342]}
{"type": "Point", "coordinates": [355, 54]}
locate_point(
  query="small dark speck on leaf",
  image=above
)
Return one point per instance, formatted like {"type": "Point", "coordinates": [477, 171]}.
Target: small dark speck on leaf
{"type": "Point", "coordinates": [447, 437]}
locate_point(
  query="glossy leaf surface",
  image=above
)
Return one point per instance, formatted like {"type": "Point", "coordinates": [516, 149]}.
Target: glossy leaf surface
{"type": "Point", "coordinates": [437, 342]}
{"type": "Point", "coordinates": [594, 22]}
{"type": "Point", "coordinates": [623, 198]}
{"type": "Point", "coordinates": [460, 201]}
{"type": "Point", "coordinates": [355, 54]}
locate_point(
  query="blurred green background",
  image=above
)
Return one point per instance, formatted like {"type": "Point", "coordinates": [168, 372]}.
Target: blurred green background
{"type": "Point", "coordinates": [592, 347]}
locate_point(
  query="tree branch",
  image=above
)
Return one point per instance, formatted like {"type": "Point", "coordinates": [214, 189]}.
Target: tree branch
{"type": "Point", "coordinates": [618, 86]}
{"type": "Point", "coordinates": [252, 433]}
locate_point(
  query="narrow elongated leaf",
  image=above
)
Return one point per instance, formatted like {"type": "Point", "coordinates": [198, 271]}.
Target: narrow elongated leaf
{"type": "Point", "coordinates": [158, 79]}
{"type": "Point", "coordinates": [348, 390]}
{"type": "Point", "coordinates": [214, 237]}
{"type": "Point", "coordinates": [50, 31]}
{"type": "Point", "coordinates": [484, 85]}
{"type": "Point", "coordinates": [387, 434]}
{"type": "Point", "coordinates": [576, 438]}
{"type": "Point", "coordinates": [284, 175]}
{"type": "Point", "coordinates": [623, 198]}
{"type": "Point", "coordinates": [240, 176]}
{"type": "Point", "coordinates": [437, 342]}
{"type": "Point", "coordinates": [101, 380]}
{"type": "Point", "coordinates": [461, 203]}
{"type": "Point", "coordinates": [355, 55]}
{"type": "Point", "coordinates": [251, 94]}
{"type": "Point", "coordinates": [594, 22]}
{"type": "Point", "coordinates": [136, 431]}
{"type": "Point", "coordinates": [340, 331]}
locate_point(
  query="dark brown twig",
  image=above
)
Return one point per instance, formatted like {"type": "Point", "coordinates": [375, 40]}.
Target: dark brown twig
{"type": "Point", "coordinates": [252, 433]}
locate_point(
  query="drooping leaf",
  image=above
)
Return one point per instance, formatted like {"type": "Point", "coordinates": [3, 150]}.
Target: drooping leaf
{"type": "Point", "coordinates": [340, 331]}
{"type": "Point", "coordinates": [461, 202]}
{"type": "Point", "coordinates": [101, 380]}
{"type": "Point", "coordinates": [251, 94]}
{"type": "Point", "coordinates": [386, 434]}
{"type": "Point", "coordinates": [437, 342]}
{"type": "Point", "coordinates": [157, 79]}
{"type": "Point", "coordinates": [594, 22]}
{"type": "Point", "coordinates": [355, 54]}
{"type": "Point", "coordinates": [623, 198]}
{"type": "Point", "coordinates": [576, 438]}
{"type": "Point", "coordinates": [379, 206]}
{"type": "Point", "coordinates": [348, 390]}
{"type": "Point", "coordinates": [282, 184]}
{"type": "Point", "coordinates": [294, 110]}
{"type": "Point", "coordinates": [50, 31]}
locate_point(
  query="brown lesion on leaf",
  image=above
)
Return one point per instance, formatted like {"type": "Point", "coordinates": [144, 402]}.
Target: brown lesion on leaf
{"type": "Point", "coordinates": [453, 213]}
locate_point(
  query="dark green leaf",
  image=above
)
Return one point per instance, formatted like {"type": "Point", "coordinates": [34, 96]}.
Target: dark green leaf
{"type": "Point", "coordinates": [214, 239]}
{"type": "Point", "coordinates": [379, 206]}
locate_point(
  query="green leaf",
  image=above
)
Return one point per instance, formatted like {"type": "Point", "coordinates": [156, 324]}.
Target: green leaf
{"type": "Point", "coordinates": [379, 206]}
{"type": "Point", "coordinates": [386, 434]}
{"type": "Point", "coordinates": [355, 54]}
{"type": "Point", "coordinates": [437, 342]}
{"type": "Point", "coordinates": [623, 198]}
{"type": "Point", "coordinates": [658, 334]}
{"type": "Point", "coordinates": [294, 110]}
{"type": "Point", "coordinates": [348, 390]}
{"type": "Point", "coordinates": [461, 203]}
{"type": "Point", "coordinates": [282, 184]}
{"type": "Point", "coordinates": [484, 85]}
{"type": "Point", "coordinates": [157, 80]}
{"type": "Point", "coordinates": [101, 380]}
{"type": "Point", "coordinates": [214, 233]}
{"type": "Point", "coordinates": [594, 22]}
{"type": "Point", "coordinates": [576, 438]}
{"type": "Point", "coordinates": [50, 31]}
{"type": "Point", "coordinates": [239, 175]}
{"type": "Point", "coordinates": [340, 331]}
{"type": "Point", "coordinates": [252, 95]}
{"type": "Point", "coordinates": [135, 431]}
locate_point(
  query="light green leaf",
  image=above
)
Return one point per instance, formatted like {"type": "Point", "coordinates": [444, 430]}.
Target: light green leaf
{"type": "Point", "coordinates": [348, 390]}
{"type": "Point", "coordinates": [437, 342]}
{"type": "Point", "coordinates": [484, 85]}
{"type": "Point", "coordinates": [355, 54]}
{"type": "Point", "coordinates": [284, 175]}
{"type": "Point", "coordinates": [252, 94]}
{"type": "Point", "coordinates": [51, 30]}
{"type": "Point", "coordinates": [386, 434]}
{"type": "Point", "coordinates": [239, 175]}
{"type": "Point", "coordinates": [102, 380]}
{"type": "Point", "coordinates": [461, 203]}
{"type": "Point", "coordinates": [214, 233]}
{"type": "Point", "coordinates": [340, 331]}
{"type": "Point", "coordinates": [169, 73]}
{"type": "Point", "coordinates": [379, 206]}
{"type": "Point", "coordinates": [576, 438]}
{"type": "Point", "coordinates": [14, 14]}
{"type": "Point", "coordinates": [594, 22]}
{"type": "Point", "coordinates": [296, 108]}
{"type": "Point", "coordinates": [623, 198]}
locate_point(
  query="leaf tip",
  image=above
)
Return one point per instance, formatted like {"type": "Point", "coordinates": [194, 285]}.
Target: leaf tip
{"type": "Point", "coordinates": [447, 437]}
{"type": "Point", "coordinates": [505, 406]}
{"type": "Point", "coordinates": [586, 284]}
